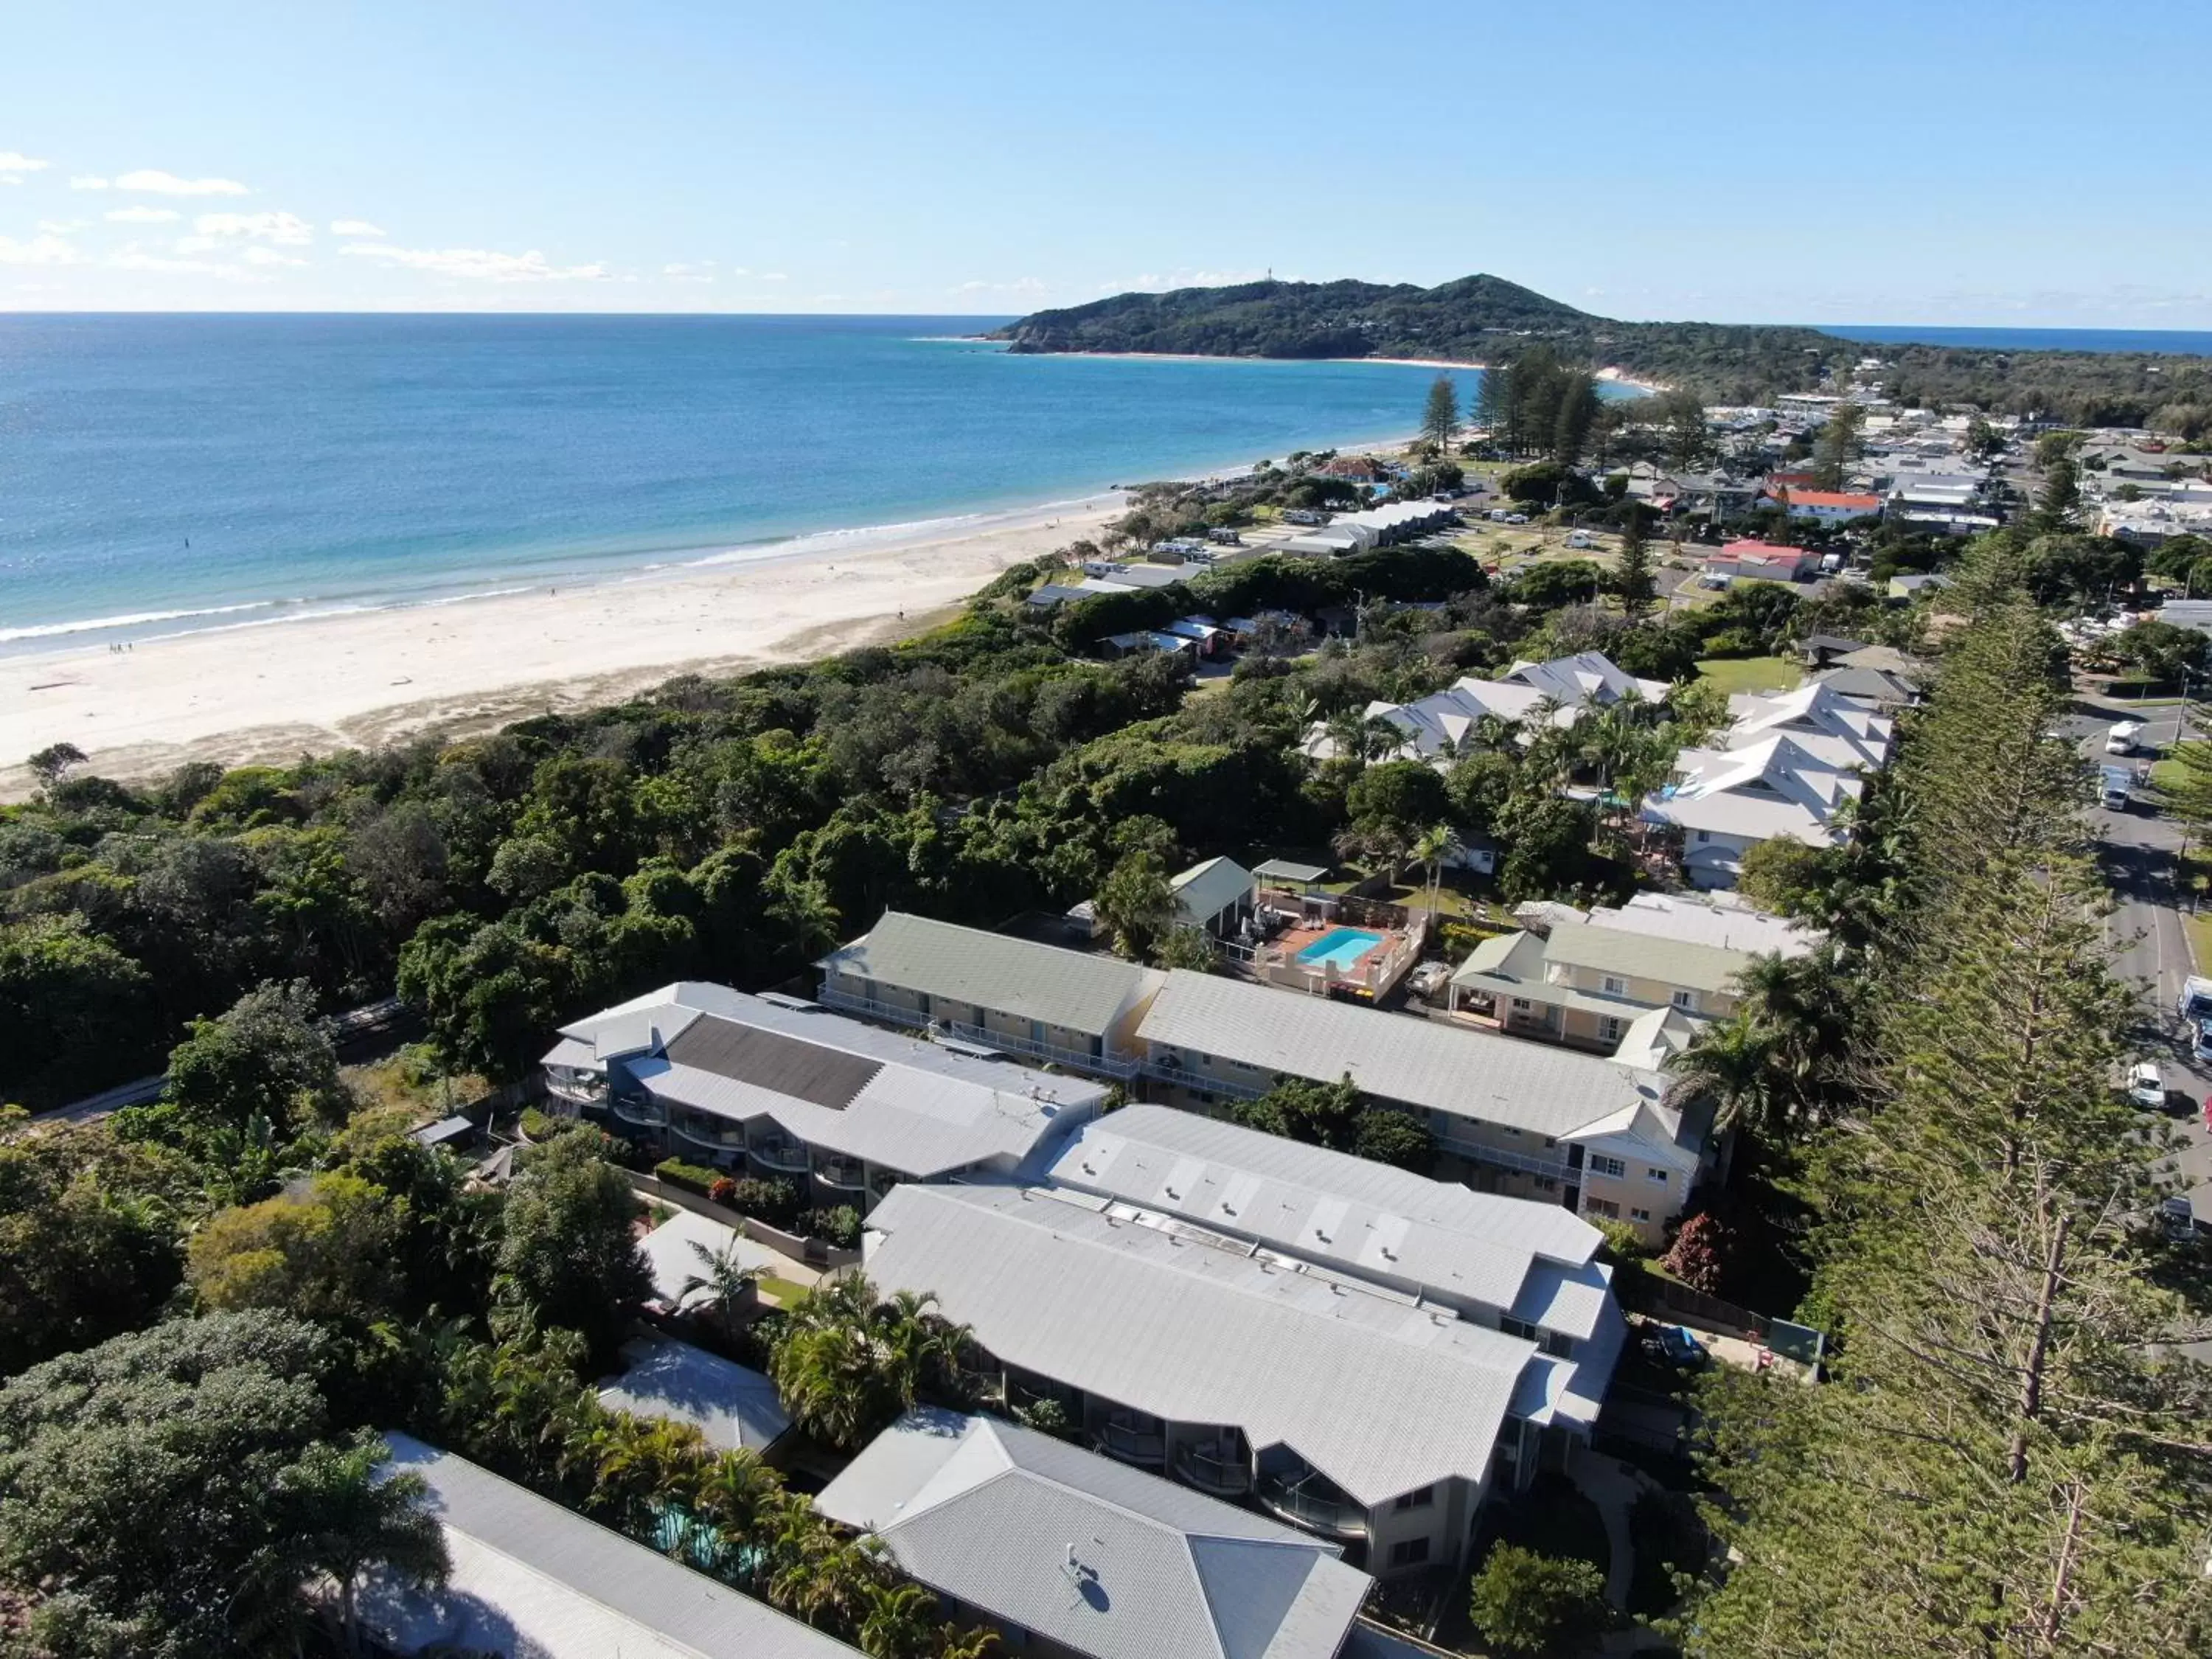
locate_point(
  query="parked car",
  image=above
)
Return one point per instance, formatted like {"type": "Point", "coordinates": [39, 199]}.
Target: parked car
{"type": "Point", "coordinates": [2121, 739]}
{"type": "Point", "coordinates": [1428, 979]}
{"type": "Point", "coordinates": [1677, 1347]}
{"type": "Point", "coordinates": [2146, 1087]}
{"type": "Point", "coordinates": [2178, 1220]}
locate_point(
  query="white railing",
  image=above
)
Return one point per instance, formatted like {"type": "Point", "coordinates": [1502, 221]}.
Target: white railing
{"type": "Point", "coordinates": [1480, 1153]}
{"type": "Point", "coordinates": [1209, 1471]}
{"type": "Point", "coordinates": [842, 1172]}
{"type": "Point", "coordinates": [1289, 1500]}
{"type": "Point", "coordinates": [647, 1114]}
{"type": "Point", "coordinates": [723, 1141]}
{"type": "Point", "coordinates": [1131, 1444]}
{"type": "Point", "coordinates": [1175, 1074]}
{"type": "Point", "coordinates": [1105, 1064]}
{"type": "Point", "coordinates": [585, 1090]}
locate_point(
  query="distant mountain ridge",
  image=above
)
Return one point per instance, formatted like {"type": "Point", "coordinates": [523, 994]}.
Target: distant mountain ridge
{"type": "Point", "coordinates": [1484, 319]}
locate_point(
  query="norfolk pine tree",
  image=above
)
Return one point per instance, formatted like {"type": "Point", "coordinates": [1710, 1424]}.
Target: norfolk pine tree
{"type": "Point", "coordinates": [1440, 417]}
{"type": "Point", "coordinates": [2007, 1459]}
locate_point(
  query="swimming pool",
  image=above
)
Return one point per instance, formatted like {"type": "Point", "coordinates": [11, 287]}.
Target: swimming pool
{"type": "Point", "coordinates": [1341, 948]}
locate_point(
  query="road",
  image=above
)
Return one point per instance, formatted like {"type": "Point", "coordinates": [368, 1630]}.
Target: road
{"type": "Point", "coordinates": [2137, 848]}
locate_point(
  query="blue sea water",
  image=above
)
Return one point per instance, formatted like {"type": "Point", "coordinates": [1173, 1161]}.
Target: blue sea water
{"type": "Point", "coordinates": [168, 472]}
{"type": "Point", "coordinates": [2179, 342]}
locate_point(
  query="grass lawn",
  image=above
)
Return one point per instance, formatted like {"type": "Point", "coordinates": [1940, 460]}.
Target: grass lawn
{"type": "Point", "coordinates": [1734, 674]}
{"type": "Point", "coordinates": [782, 1291]}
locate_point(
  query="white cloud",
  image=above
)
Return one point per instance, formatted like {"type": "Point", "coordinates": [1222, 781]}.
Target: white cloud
{"type": "Point", "coordinates": [14, 160]}
{"type": "Point", "coordinates": [85, 183]}
{"type": "Point", "coordinates": [354, 227]}
{"type": "Point", "coordinates": [285, 230]}
{"type": "Point", "coordinates": [45, 249]}
{"type": "Point", "coordinates": [1019, 285]}
{"type": "Point", "coordinates": [64, 227]}
{"type": "Point", "coordinates": [479, 264]}
{"type": "Point", "coordinates": [138, 215]}
{"type": "Point", "coordinates": [156, 182]}
{"type": "Point", "coordinates": [135, 258]}
{"type": "Point", "coordinates": [773, 276]}
{"type": "Point", "coordinates": [696, 270]}
{"type": "Point", "coordinates": [258, 255]}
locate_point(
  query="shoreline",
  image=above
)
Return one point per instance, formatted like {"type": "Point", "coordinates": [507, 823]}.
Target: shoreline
{"type": "Point", "coordinates": [271, 688]}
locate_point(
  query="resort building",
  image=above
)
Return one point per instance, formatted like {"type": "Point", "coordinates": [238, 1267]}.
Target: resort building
{"type": "Point", "coordinates": [532, 1580]}
{"type": "Point", "coordinates": [780, 1088]}
{"type": "Point", "coordinates": [1347, 1410]}
{"type": "Point", "coordinates": [1526, 1268]}
{"type": "Point", "coordinates": [1437, 727]}
{"type": "Point", "coordinates": [1727, 801]}
{"type": "Point", "coordinates": [1034, 1000]}
{"type": "Point", "coordinates": [1762, 561]}
{"type": "Point", "coordinates": [1065, 1552]}
{"type": "Point", "coordinates": [1828, 506]}
{"type": "Point", "coordinates": [1596, 1136]}
{"type": "Point", "coordinates": [1217, 897]}
{"type": "Point", "coordinates": [1838, 731]}
{"type": "Point", "coordinates": [1584, 977]}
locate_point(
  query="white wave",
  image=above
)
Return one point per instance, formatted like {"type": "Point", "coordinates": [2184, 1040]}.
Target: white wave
{"type": "Point", "coordinates": [134, 619]}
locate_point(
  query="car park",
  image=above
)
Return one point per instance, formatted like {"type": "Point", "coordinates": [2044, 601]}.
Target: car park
{"type": "Point", "coordinates": [1430, 977]}
{"type": "Point", "coordinates": [1677, 1347]}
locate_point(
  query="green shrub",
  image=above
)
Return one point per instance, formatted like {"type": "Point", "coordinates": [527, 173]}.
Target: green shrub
{"type": "Point", "coordinates": [537, 1125]}
{"type": "Point", "coordinates": [776, 1203]}
{"type": "Point", "coordinates": [1525, 1602]}
{"type": "Point", "coordinates": [696, 1177]}
{"type": "Point", "coordinates": [840, 1227]}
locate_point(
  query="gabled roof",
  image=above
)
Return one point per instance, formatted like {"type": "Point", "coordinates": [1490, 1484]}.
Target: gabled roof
{"type": "Point", "coordinates": [1088, 1554]}
{"type": "Point", "coordinates": [1205, 891]}
{"type": "Point", "coordinates": [1819, 719]}
{"type": "Point", "coordinates": [835, 1083]}
{"type": "Point", "coordinates": [1587, 677]}
{"type": "Point", "coordinates": [1378, 1393]}
{"type": "Point", "coordinates": [1070, 988]}
{"type": "Point", "coordinates": [731, 1405]}
{"type": "Point", "coordinates": [1387, 1224]}
{"type": "Point", "coordinates": [1772, 789]}
{"type": "Point", "coordinates": [532, 1580]}
{"type": "Point", "coordinates": [1502, 1080]}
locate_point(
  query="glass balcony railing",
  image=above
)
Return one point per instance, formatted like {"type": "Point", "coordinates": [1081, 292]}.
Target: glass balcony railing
{"type": "Point", "coordinates": [1310, 1502]}
{"type": "Point", "coordinates": [1220, 1469]}
{"type": "Point", "coordinates": [844, 1173]}
{"type": "Point", "coordinates": [785, 1156]}
{"type": "Point", "coordinates": [648, 1113]}
{"type": "Point", "coordinates": [721, 1137]}
{"type": "Point", "coordinates": [1133, 1439]}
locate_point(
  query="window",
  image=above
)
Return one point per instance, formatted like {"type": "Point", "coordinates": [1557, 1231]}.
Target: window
{"type": "Point", "coordinates": [1703, 838]}
{"type": "Point", "coordinates": [1605, 1207]}
{"type": "Point", "coordinates": [1520, 1004]}
{"type": "Point", "coordinates": [1659, 1175]}
{"type": "Point", "coordinates": [1409, 1552]}
{"type": "Point", "coordinates": [1607, 1166]}
{"type": "Point", "coordinates": [1547, 1184]}
{"type": "Point", "coordinates": [1639, 1215]}
{"type": "Point", "coordinates": [1614, 986]}
{"type": "Point", "coordinates": [1608, 1029]}
{"type": "Point", "coordinates": [1420, 1498]}
{"type": "Point", "coordinates": [1558, 1345]}
{"type": "Point", "coordinates": [1686, 999]}
{"type": "Point", "coordinates": [1520, 1328]}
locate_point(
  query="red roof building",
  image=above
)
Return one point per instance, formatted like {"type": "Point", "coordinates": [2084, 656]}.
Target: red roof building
{"type": "Point", "coordinates": [1762, 561]}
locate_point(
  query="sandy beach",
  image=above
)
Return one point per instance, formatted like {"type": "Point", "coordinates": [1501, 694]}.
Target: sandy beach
{"type": "Point", "coordinates": [272, 692]}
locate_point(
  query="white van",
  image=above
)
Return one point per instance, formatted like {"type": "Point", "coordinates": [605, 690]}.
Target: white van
{"type": "Point", "coordinates": [2121, 739]}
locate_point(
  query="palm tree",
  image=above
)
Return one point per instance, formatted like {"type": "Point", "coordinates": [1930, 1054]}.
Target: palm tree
{"type": "Point", "coordinates": [1379, 738]}
{"type": "Point", "coordinates": [724, 1275]}
{"type": "Point", "coordinates": [353, 1520]}
{"type": "Point", "coordinates": [1438, 845]}
{"type": "Point", "coordinates": [1731, 1063]}
{"type": "Point", "coordinates": [736, 1493]}
{"type": "Point", "coordinates": [895, 1620]}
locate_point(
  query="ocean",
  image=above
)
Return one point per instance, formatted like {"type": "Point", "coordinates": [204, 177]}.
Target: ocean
{"type": "Point", "coordinates": [165, 473]}
{"type": "Point", "coordinates": [2174, 342]}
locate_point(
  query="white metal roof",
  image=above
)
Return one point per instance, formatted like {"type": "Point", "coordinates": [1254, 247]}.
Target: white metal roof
{"type": "Point", "coordinates": [1369, 1219]}
{"type": "Point", "coordinates": [731, 1405]}
{"type": "Point", "coordinates": [1071, 988]}
{"type": "Point", "coordinates": [1378, 1393]}
{"type": "Point", "coordinates": [532, 1580]}
{"type": "Point", "coordinates": [1205, 891]}
{"type": "Point", "coordinates": [1502, 1080]}
{"type": "Point", "coordinates": [1101, 1559]}
{"type": "Point", "coordinates": [887, 1097]}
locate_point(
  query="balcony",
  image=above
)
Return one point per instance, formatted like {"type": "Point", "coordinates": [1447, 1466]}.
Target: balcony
{"type": "Point", "coordinates": [645, 1111]}
{"type": "Point", "coordinates": [710, 1132]}
{"type": "Point", "coordinates": [1164, 1072]}
{"type": "Point", "coordinates": [1306, 1498]}
{"type": "Point", "coordinates": [1076, 1060]}
{"type": "Point", "coordinates": [1133, 1437]}
{"type": "Point", "coordinates": [1221, 1467]}
{"type": "Point", "coordinates": [579, 1088]}
{"type": "Point", "coordinates": [784, 1157]}
{"type": "Point", "coordinates": [842, 1173]}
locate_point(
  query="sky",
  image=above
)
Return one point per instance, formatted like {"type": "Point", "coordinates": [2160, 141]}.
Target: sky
{"type": "Point", "coordinates": [2010, 162]}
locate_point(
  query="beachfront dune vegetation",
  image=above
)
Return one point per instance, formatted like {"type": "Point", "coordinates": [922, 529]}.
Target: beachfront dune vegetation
{"type": "Point", "coordinates": [1486, 319]}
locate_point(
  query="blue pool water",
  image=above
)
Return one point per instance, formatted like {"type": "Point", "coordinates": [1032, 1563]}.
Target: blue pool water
{"type": "Point", "coordinates": [1341, 948]}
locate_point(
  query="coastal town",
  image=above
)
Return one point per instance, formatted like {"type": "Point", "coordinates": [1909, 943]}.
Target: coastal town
{"type": "Point", "coordinates": [1263, 1088]}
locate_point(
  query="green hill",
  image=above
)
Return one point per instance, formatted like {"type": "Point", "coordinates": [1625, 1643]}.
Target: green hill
{"type": "Point", "coordinates": [1487, 319]}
